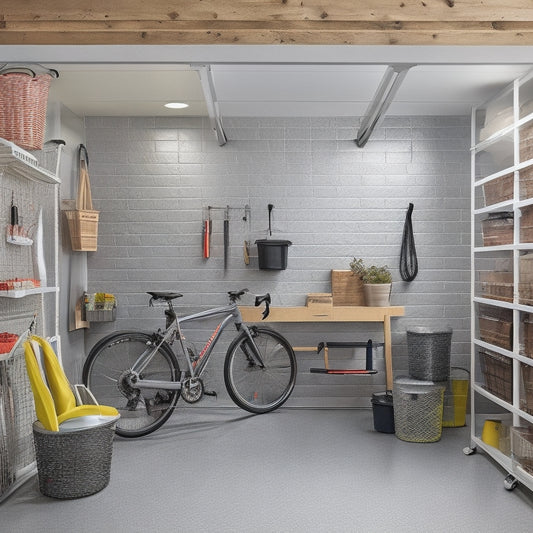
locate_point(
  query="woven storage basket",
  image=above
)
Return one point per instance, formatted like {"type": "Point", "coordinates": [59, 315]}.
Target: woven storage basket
{"type": "Point", "coordinates": [73, 464]}
{"type": "Point", "coordinates": [497, 371]}
{"type": "Point", "coordinates": [428, 353]}
{"type": "Point", "coordinates": [418, 407]}
{"type": "Point", "coordinates": [499, 189]}
{"type": "Point", "coordinates": [497, 229]}
{"type": "Point", "coordinates": [497, 285]}
{"type": "Point", "coordinates": [23, 102]}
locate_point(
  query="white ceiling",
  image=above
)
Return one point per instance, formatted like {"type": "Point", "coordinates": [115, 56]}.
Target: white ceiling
{"type": "Point", "coordinates": [99, 89]}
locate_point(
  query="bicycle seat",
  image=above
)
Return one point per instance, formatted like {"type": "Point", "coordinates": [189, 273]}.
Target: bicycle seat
{"type": "Point", "coordinates": [236, 295]}
{"type": "Point", "coordinates": [164, 295]}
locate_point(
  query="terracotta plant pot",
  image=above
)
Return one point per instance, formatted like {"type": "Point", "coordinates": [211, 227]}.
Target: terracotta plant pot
{"type": "Point", "coordinates": [377, 294]}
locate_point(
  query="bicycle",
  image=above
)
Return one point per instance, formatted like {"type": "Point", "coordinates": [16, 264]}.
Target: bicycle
{"type": "Point", "coordinates": [139, 374]}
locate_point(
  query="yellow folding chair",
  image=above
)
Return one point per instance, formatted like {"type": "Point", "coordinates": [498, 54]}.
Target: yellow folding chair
{"type": "Point", "coordinates": [73, 434]}
{"type": "Point", "coordinates": [56, 402]}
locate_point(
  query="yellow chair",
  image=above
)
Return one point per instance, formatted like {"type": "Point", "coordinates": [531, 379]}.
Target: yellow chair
{"type": "Point", "coordinates": [73, 434]}
{"type": "Point", "coordinates": [55, 401]}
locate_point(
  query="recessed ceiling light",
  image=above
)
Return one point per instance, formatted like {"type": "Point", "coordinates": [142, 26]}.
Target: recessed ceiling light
{"type": "Point", "coordinates": [176, 105]}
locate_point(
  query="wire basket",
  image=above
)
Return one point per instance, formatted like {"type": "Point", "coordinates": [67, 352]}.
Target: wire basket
{"type": "Point", "coordinates": [23, 103]}
{"type": "Point", "coordinates": [522, 448]}
{"type": "Point", "coordinates": [418, 407]}
{"type": "Point", "coordinates": [498, 373]}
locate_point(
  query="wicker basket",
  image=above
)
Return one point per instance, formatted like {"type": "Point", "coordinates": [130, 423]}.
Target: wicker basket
{"type": "Point", "coordinates": [497, 371]}
{"type": "Point", "coordinates": [499, 189]}
{"type": "Point", "coordinates": [23, 102]}
{"type": "Point", "coordinates": [497, 229]}
{"type": "Point", "coordinates": [73, 464]}
{"type": "Point", "coordinates": [497, 285]}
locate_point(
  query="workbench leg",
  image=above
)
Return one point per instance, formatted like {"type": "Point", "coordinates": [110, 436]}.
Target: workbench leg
{"type": "Point", "coordinates": [388, 351]}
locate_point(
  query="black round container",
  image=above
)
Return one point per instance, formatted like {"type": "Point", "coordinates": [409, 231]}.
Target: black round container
{"type": "Point", "coordinates": [272, 254]}
{"type": "Point", "coordinates": [383, 410]}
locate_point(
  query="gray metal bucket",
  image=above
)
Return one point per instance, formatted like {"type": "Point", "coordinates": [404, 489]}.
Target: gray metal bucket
{"type": "Point", "coordinates": [429, 353]}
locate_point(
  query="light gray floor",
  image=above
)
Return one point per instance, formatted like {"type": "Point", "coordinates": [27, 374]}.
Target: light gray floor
{"type": "Point", "coordinates": [220, 470]}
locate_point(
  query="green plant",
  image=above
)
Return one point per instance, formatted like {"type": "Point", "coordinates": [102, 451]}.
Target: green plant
{"type": "Point", "coordinates": [371, 274]}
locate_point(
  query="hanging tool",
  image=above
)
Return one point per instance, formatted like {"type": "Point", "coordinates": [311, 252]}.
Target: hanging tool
{"type": "Point", "coordinates": [246, 249]}
{"type": "Point", "coordinates": [206, 228]}
{"type": "Point", "coordinates": [408, 259]}
{"type": "Point", "coordinates": [270, 207]}
{"type": "Point", "coordinates": [226, 237]}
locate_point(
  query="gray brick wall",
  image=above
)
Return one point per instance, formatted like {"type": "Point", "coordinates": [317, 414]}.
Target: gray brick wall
{"type": "Point", "coordinates": [153, 177]}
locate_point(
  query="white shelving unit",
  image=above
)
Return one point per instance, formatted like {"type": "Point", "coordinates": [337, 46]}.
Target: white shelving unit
{"type": "Point", "coordinates": [30, 178]}
{"type": "Point", "coordinates": [502, 275]}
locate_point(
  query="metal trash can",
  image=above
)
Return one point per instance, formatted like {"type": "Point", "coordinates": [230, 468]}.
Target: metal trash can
{"type": "Point", "coordinates": [76, 463]}
{"type": "Point", "coordinates": [418, 409]}
{"type": "Point", "coordinates": [428, 353]}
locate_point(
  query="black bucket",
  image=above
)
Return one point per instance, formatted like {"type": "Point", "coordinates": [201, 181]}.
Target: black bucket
{"type": "Point", "coordinates": [272, 254]}
{"type": "Point", "coordinates": [383, 410]}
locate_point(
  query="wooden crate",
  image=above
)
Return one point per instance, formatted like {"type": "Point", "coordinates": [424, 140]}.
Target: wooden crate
{"type": "Point", "coordinates": [320, 301]}
{"type": "Point", "coordinates": [347, 289]}
{"type": "Point", "coordinates": [497, 229]}
{"type": "Point", "coordinates": [497, 285]}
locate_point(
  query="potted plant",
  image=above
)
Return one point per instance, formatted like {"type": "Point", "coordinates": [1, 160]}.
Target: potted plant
{"type": "Point", "coordinates": [377, 282]}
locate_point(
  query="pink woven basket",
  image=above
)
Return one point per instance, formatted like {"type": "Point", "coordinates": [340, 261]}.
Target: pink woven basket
{"type": "Point", "coordinates": [23, 102]}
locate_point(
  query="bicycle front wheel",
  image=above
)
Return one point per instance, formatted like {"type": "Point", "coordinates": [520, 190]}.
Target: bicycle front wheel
{"type": "Point", "coordinates": [260, 388]}
{"type": "Point", "coordinates": [108, 375]}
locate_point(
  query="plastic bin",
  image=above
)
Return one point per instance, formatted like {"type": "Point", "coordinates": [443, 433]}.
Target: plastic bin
{"type": "Point", "coordinates": [455, 398]}
{"type": "Point", "coordinates": [383, 410]}
{"type": "Point", "coordinates": [418, 409]}
{"type": "Point", "coordinates": [429, 353]}
{"type": "Point", "coordinates": [272, 254]}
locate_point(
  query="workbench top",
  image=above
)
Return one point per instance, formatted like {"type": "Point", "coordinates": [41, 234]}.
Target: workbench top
{"type": "Point", "coordinates": [322, 313]}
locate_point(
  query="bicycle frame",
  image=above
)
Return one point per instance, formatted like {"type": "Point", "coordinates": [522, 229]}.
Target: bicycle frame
{"type": "Point", "coordinates": [195, 368]}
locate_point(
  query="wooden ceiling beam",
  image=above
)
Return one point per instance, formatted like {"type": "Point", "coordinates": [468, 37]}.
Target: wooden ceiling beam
{"type": "Point", "coordinates": [365, 22]}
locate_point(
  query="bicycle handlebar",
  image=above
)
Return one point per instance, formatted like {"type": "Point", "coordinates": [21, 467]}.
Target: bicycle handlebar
{"type": "Point", "coordinates": [265, 298]}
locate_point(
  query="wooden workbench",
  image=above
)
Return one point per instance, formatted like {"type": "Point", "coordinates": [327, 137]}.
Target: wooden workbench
{"type": "Point", "coordinates": [334, 314]}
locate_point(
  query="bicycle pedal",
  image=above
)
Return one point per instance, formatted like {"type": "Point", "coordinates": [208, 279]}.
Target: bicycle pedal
{"type": "Point", "coordinates": [210, 393]}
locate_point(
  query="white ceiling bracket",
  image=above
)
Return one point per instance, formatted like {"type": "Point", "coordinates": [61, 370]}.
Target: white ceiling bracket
{"type": "Point", "coordinates": [389, 85]}
{"type": "Point", "coordinates": [208, 86]}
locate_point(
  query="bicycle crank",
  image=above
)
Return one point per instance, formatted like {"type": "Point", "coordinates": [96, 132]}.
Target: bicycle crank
{"type": "Point", "coordinates": [192, 390]}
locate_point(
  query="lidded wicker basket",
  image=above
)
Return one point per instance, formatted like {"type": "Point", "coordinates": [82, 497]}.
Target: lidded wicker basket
{"type": "Point", "coordinates": [23, 103]}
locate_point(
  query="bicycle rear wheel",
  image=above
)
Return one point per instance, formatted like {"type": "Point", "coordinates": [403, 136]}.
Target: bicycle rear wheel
{"type": "Point", "coordinates": [256, 388]}
{"type": "Point", "coordinates": [107, 373]}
